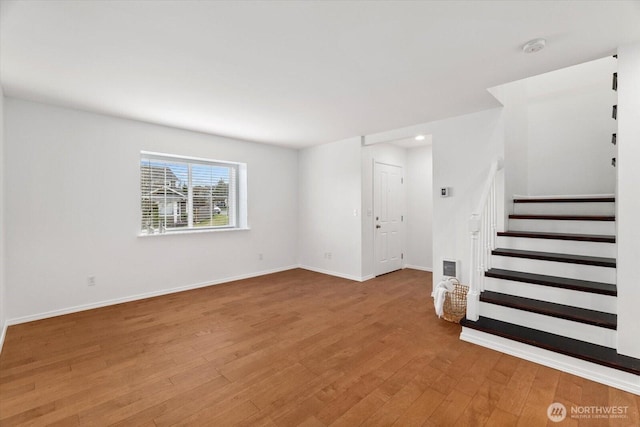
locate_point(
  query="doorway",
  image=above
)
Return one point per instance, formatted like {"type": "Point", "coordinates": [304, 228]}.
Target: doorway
{"type": "Point", "coordinates": [388, 217]}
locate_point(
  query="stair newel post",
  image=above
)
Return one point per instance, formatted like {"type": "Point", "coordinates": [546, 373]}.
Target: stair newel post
{"type": "Point", "coordinates": [480, 251]}
{"type": "Point", "coordinates": [489, 238]}
{"type": "Point", "coordinates": [485, 239]}
{"type": "Point", "coordinates": [494, 215]}
{"type": "Point", "coordinates": [473, 296]}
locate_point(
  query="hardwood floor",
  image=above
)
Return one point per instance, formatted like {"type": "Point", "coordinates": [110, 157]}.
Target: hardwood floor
{"type": "Point", "coordinates": [292, 348]}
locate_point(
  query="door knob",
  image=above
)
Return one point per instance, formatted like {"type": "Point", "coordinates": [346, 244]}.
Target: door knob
{"type": "Point", "coordinates": [378, 226]}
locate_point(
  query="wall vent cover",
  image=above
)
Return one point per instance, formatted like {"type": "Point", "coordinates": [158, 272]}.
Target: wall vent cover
{"type": "Point", "coordinates": [450, 268]}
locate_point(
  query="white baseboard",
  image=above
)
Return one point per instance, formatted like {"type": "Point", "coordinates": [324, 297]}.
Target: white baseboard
{"type": "Point", "coordinates": [356, 278]}
{"type": "Point", "coordinates": [3, 334]}
{"type": "Point", "coordinates": [334, 273]}
{"type": "Point", "coordinates": [105, 303]}
{"type": "Point", "coordinates": [592, 371]}
{"type": "Point", "coordinates": [419, 267]}
{"type": "Point", "coordinates": [75, 309]}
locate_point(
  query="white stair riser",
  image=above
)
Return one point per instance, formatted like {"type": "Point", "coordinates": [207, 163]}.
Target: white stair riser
{"type": "Point", "coordinates": [558, 246]}
{"type": "Point", "coordinates": [553, 268]}
{"type": "Point", "coordinates": [590, 301]}
{"type": "Point", "coordinates": [585, 208]}
{"type": "Point", "coordinates": [576, 330]}
{"type": "Point", "coordinates": [563, 226]}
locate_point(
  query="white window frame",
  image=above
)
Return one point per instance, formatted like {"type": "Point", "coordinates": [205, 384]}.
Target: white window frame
{"type": "Point", "coordinates": [238, 197]}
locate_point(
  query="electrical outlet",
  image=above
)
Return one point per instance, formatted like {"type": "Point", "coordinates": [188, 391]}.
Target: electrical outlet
{"type": "Point", "coordinates": [328, 255]}
{"type": "Point", "coordinates": [260, 257]}
{"type": "Point", "coordinates": [91, 281]}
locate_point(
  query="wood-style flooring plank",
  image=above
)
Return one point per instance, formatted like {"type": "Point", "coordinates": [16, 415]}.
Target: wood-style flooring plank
{"type": "Point", "coordinates": [421, 408]}
{"type": "Point", "coordinates": [291, 348]}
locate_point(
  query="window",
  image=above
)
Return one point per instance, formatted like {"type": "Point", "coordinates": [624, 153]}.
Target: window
{"type": "Point", "coordinates": [182, 193]}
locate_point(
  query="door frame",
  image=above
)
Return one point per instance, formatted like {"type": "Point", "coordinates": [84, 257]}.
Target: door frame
{"type": "Point", "coordinates": [402, 228]}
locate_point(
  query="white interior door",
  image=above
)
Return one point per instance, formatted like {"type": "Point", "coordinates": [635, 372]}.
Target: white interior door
{"type": "Point", "coordinates": [387, 216]}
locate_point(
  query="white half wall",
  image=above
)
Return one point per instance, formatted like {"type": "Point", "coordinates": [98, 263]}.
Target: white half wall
{"type": "Point", "coordinates": [628, 199]}
{"type": "Point", "coordinates": [419, 250]}
{"type": "Point", "coordinates": [72, 210]}
{"type": "Point", "coordinates": [329, 214]}
{"type": "Point", "coordinates": [463, 149]}
{"type": "Point", "coordinates": [513, 96]}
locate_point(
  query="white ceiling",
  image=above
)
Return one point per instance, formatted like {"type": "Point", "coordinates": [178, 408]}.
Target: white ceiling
{"type": "Point", "coordinates": [294, 73]}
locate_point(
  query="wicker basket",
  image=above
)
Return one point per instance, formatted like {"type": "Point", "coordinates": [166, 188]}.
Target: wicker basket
{"type": "Point", "coordinates": [455, 303]}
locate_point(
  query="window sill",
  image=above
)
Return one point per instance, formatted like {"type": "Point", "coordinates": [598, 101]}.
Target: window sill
{"type": "Point", "coordinates": [196, 231]}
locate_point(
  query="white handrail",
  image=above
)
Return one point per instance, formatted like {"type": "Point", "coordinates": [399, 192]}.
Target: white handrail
{"type": "Point", "coordinates": [483, 227]}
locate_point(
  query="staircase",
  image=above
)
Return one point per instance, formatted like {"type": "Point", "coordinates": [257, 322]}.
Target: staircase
{"type": "Point", "coordinates": [552, 284]}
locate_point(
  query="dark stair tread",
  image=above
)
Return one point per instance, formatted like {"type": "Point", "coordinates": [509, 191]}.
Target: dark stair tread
{"type": "Point", "coordinates": [595, 199]}
{"type": "Point", "coordinates": [557, 257]}
{"type": "Point", "coordinates": [576, 314]}
{"type": "Point", "coordinates": [554, 281]}
{"type": "Point", "coordinates": [566, 217]}
{"type": "Point", "coordinates": [560, 236]}
{"type": "Point", "coordinates": [594, 353]}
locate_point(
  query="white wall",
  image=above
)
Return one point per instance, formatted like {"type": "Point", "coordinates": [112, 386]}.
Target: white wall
{"type": "Point", "coordinates": [381, 153]}
{"type": "Point", "coordinates": [3, 299]}
{"type": "Point", "coordinates": [460, 157]}
{"type": "Point", "coordinates": [72, 210]}
{"type": "Point", "coordinates": [628, 200]}
{"type": "Point", "coordinates": [419, 251]}
{"type": "Point", "coordinates": [557, 131]}
{"type": "Point", "coordinates": [329, 208]}
{"type": "Point", "coordinates": [569, 129]}
{"type": "Point", "coordinates": [463, 149]}
{"type": "Point", "coordinates": [515, 174]}
{"type": "Point", "coordinates": [338, 177]}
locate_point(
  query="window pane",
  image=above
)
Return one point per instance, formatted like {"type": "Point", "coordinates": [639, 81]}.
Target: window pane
{"type": "Point", "coordinates": [180, 193]}
{"type": "Point", "coordinates": [164, 187]}
{"type": "Point", "coordinates": [210, 195]}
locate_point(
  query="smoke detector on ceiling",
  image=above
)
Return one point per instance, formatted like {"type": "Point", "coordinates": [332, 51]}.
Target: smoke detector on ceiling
{"type": "Point", "coordinates": [534, 46]}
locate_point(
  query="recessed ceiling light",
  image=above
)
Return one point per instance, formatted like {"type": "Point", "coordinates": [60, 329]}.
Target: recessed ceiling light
{"type": "Point", "coordinates": [420, 138]}
{"type": "Point", "coordinates": [533, 46]}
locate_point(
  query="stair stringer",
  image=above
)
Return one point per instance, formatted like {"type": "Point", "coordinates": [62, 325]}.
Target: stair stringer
{"type": "Point", "coordinates": [592, 371]}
